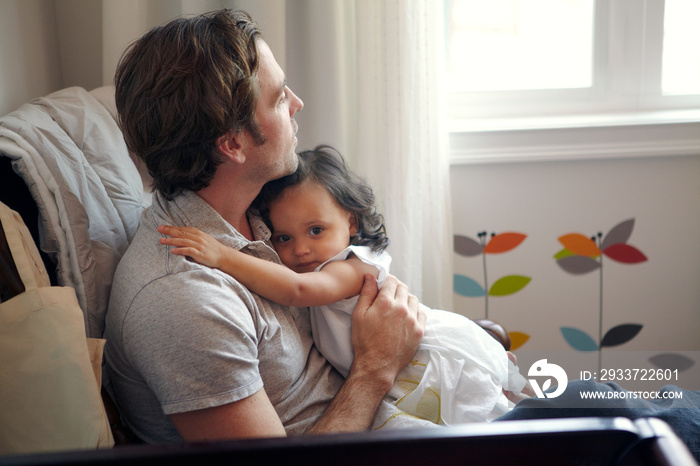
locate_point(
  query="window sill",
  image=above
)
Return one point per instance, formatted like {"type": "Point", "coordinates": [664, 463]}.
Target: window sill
{"type": "Point", "coordinates": [621, 135]}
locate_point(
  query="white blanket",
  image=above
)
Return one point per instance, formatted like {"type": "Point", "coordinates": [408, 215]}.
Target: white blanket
{"type": "Point", "coordinates": [71, 154]}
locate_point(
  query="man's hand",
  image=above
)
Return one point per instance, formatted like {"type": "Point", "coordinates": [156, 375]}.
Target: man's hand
{"type": "Point", "coordinates": [386, 330]}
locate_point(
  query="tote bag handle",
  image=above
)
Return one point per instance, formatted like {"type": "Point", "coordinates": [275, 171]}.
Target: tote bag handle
{"type": "Point", "coordinates": [31, 270]}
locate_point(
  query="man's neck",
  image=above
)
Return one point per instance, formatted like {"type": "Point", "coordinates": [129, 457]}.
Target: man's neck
{"type": "Point", "coordinates": [231, 207]}
{"type": "Point", "coordinates": [243, 227]}
{"type": "Point", "coordinates": [231, 192]}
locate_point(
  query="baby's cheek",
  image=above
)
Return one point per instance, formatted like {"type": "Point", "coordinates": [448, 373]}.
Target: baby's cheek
{"type": "Point", "coordinates": [286, 259]}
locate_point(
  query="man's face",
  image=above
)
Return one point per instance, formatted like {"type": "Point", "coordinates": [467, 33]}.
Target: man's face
{"type": "Point", "coordinates": [274, 114]}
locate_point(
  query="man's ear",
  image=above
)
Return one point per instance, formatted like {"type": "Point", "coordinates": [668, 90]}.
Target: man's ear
{"type": "Point", "coordinates": [230, 146]}
{"type": "Point", "coordinates": [353, 224]}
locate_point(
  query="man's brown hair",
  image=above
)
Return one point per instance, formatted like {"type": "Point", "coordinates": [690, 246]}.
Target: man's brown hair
{"type": "Point", "coordinates": [181, 87]}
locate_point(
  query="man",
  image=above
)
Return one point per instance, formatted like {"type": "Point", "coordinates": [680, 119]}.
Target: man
{"type": "Point", "coordinates": [191, 353]}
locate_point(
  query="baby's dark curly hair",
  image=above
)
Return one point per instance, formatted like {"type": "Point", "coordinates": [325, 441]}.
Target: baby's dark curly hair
{"type": "Point", "coordinates": [326, 166]}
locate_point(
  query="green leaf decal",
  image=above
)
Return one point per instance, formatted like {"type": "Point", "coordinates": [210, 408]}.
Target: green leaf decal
{"type": "Point", "coordinates": [509, 285]}
{"type": "Point", "coordinates": [578, 339]}
{"type": "Point", "coordinates": [563, 253]}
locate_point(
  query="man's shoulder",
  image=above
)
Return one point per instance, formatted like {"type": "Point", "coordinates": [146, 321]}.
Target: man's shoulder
{"type": "Point", "coordinates": [187, 295]}
{"type": "Point", "coordinates": [149, 274]}
{"type": "Point", "coordinates": [142, 261]}
{"type": "Point", "coordinates": [155, 274]}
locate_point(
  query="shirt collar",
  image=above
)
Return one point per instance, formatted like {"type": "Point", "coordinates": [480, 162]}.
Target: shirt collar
{"type": "Point", "coordinates": [195, 211]}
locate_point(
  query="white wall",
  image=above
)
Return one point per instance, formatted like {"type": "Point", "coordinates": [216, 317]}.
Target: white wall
{"type": "Point", "coordinates": [29, 52]}
{"type": "Point", "coordinates": [46, 45]}
{"type": "Point", "coordinates": [546, 200]}
{"type": "Point", "coordinates": [80, 42]}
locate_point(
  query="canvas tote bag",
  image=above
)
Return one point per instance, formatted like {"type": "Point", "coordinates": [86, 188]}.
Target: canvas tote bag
{"type": "Point", "coordinates": [49, 392]}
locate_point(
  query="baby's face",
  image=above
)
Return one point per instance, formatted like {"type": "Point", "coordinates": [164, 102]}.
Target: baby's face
{"type": "Point", "coordinates": [309, 226]}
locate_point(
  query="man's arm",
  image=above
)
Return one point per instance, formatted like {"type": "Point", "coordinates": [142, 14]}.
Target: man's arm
{"type": "Point", "coordinates": [387, 328]}
{"type": "Point", "coordinates": [250, 417]}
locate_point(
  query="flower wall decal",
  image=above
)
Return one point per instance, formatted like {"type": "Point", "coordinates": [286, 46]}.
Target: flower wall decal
{"type": "Point", "coordinates": [582, 255]}
{"type": "Point", "coordinates": [504, 286]}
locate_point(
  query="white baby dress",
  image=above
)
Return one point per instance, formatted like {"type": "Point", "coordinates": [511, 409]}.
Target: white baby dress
{"type": "Point", "coordinates": [457, 375]}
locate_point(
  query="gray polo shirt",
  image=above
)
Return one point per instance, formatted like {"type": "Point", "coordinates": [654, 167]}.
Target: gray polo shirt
{"type": "Point", "coordinates": [182, 337]}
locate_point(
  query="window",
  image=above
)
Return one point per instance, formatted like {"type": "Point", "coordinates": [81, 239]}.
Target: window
{"type": "Point", "coordinates": [531, 65]}
{"type": "Point", "coordinates": [572, 56]}
{"type": "Point", "coordinates": [681, 60]}
{"type": "Point", "coordinates": [501, 45]}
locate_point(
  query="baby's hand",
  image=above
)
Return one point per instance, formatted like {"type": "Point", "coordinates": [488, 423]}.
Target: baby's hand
{"type": "Point", "coordinates": [192, 242]}
{"type": "Point", "coordinates": [527, 391]}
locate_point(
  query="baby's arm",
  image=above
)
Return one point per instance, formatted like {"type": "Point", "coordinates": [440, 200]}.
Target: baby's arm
{"type": "Point", "coordinates": [336, 281]}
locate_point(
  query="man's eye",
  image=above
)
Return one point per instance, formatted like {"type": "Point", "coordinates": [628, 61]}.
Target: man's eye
{"type": "Point", "coordinates": [316, 231]}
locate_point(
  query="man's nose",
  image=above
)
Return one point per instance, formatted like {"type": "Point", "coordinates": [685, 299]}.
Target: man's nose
{"type": "Point", "coordinates": [296, 103]}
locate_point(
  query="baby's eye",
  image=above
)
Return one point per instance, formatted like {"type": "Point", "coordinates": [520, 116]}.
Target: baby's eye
{"type": "Point", "coordinates": [281, 239]}
{"type": "Point", "coordinates": [316, 231]}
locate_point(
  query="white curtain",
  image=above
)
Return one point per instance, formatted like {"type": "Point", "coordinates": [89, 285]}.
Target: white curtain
{"type": "Point", "coordinates": [400, 117]}
{"type": "Point", "coordinates": [369, 72]}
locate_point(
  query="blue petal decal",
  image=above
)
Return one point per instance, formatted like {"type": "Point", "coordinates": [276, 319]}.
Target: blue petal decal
{"type": "Point", "coordinates": [465, 286]}
{"type": "Point", "coordinates": [578, 339]}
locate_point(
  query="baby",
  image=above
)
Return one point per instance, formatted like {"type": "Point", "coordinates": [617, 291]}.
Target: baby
{"type": "Point", "coordinates": [328, 233]}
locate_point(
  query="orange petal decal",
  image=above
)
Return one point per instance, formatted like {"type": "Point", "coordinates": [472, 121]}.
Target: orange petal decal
{"type": "Point", "coordinates": [504, 242]}
{"type": "Point", "coordinates": [517, 339]}
{"type": "Point", "coordinates": [580, 245]}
